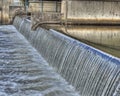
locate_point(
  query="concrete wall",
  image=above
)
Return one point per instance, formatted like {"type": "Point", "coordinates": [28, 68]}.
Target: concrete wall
{"type": "Point", "coordinates": [45, 6]}
{"type": "Point", "coordinates": [92, 11]}
{"type": "Point", "coordinates": [5, 11]}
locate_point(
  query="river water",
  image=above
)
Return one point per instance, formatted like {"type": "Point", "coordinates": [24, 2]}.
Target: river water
{"type": "Point", "coordinates": [23, 72]}
{"type": "Point", "coordinates": [105, 38]}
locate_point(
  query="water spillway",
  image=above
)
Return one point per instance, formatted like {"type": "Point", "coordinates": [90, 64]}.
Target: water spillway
{"type": "Point", "coordinates": [24, 72]}
{"type": "Point", "coordinates": [91, 71]}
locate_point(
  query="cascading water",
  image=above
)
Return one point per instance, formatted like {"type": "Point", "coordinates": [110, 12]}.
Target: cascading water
{"type": "Point", "coordinates": [90, 71]}
{"type": "Point", "coordinates": [24, 72]}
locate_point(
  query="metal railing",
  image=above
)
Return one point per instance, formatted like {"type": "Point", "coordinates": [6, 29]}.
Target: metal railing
{"type": "Point", "coordinates": [47, 17]}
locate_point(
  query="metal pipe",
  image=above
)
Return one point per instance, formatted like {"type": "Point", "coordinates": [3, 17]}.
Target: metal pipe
{"type": "Point", "coordinates": [56, 6]}
{"type": "Point", "coordinates": [66, 14]}
{"type": "Point", "coordinates": [2, 13]}
{"type": "Point", "coordinates": [26, 6]}
{"type": "Point", "coordinates": [41, 6]}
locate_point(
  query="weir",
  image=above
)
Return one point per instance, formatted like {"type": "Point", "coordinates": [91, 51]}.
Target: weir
{"type": "Point", "coordinates": [90, 71]}
{"type": "Point", "coordinates": [24, 72]}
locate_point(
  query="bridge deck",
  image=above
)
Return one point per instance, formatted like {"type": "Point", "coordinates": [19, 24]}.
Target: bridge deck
{"type": "Point", "coordinates": [23, 72]}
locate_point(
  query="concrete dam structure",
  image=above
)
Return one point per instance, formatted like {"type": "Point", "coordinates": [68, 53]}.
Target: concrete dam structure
{"type": "Point", "coordinates": [91, 72]}
{"type": "Point", "coordinates": [51, 59]}
{"type": "Point", "coordinates": [91, 11]}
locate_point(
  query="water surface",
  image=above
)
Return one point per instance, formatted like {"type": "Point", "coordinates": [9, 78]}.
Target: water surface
{"type": "Point", "coordinates": [105, 38]}
{"type": "Point", "coordinates": [23, 72]}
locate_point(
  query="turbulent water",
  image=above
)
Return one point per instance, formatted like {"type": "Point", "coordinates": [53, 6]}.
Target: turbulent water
{"type": "Point", "coordinates": [23, 72]}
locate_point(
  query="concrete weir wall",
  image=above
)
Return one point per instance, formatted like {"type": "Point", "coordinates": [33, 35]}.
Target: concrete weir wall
{"type": "Point", "coordinates": [90, 71]}
{"type": "Point", "coordinates": [92, 11]}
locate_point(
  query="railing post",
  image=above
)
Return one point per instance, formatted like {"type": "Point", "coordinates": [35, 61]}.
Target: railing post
{"type": "Point", "coordinates": [26, 7]}
{"type": "Point", "coordinates": [56, 6]}
{"type": "Point", "coordinates": [66, 14]}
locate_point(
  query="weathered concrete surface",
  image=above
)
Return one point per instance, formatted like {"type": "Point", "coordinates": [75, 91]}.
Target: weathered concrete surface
{"type": "Point", "coordinates": [92, 11]}
{"type": "Point", "coordinates": [6, 12]}
{"type": "Point", "coordinates": [23, 72]}
{"type": "Point", "coordinates": [45, 6]}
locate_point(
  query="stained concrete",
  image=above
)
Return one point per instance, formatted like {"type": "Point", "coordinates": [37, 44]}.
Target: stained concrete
{"type": "Point", "coordinates": [92, 11]}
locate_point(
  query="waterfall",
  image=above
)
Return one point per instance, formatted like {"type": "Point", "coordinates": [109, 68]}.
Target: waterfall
{"type": "Point", "coordinates": [91, 71]}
